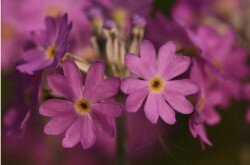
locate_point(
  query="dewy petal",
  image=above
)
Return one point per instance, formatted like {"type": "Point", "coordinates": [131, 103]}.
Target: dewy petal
{"type": "Point", "coordinates": [73, 77]}
{"type": "Point", "coordinates": [94, 76]}
{"type": "Point", "coordinates": [135, 100]}
{"type": "Point", "coordinates": [88, 136]}
{"type": "Point", "coordinates": [130, 85]}
{"type": "Point", "coordinates": [166, 112]}
{"type": "Point", "coordinates": [184, 86]}
{"type": "Point", "coordinates": [177, 66]}
{"type": "Point", "coordinates": [151, 108]}
{"type": "Point", "coordinates": [148, 54]}
{"type": "Point", "coordinates": [165, 57]}
{"type": "Point", "coordinates": [178, 102]}
{"type": "Point", "coordinates": [110, 109]}
{"type": "Point", "coordinates": [104, 125]}
{"type": "Point", "coordinates": [72, 135]}
{"type": "Point", "coordinates": [54, 107]}
{"type": "Point", "coordinates": [57, 83]}
{"type": "Point", "coordinates": [137, 66]}
{"type": "Point", "coordinates": [59, 124]}
{"type": "Point", "coordinates": [105, 89]}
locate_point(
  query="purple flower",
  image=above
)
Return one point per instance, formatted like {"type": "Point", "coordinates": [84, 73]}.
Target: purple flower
{"type": "Point", "coordinates": [86, 109]}
{"type": "Point", "coordinates": [197, 129]}
{"type": "Point", "coordinates": [124, 8]}
{"type": "Point", "coordinates": [51, 45]}
{"type": "Point", "coordinates": [154, 79]}
{"type": "Point", "coordinates": [205, 112]}
{"type": "Point", "coordinates": [160, 30]}
{"type": "Point", "coordinates": [208, 98]}
{"type": "Point", "coordinates": [25, 103]}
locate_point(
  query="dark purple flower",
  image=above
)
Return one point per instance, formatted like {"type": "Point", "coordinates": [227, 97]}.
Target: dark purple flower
{"type": "Point", "coordinates": [87, 108]}
{"type": "Point", "coordinates": [51, 45]}
{"type": "Point", "coordinates": [25, 104]}
{"type": "Point", "coordinates": [161, 30]}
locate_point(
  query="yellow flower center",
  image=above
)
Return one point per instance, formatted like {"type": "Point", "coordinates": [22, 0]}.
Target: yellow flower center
{"type": "Point", "coordinates": [8, 32]}
{"type": "Point", "coordinates": [51, 52]}
{"type": "Point", "coordinates": [54, 11]}
{"type": "Point", "coordinates": [82, 106]}
{"type": "Point", "coordinates": [120, 16]}
{"type": "Point", "coordinates": [201, 104]}
{"type": "Point", "coordinates": [157, 84]}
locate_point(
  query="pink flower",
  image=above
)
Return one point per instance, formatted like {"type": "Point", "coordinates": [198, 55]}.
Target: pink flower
{"type": "Point", "coordinates": [154, 79]}
{"type": "Point", "coordinates": [198, 130]}
{"type": "Point", "coordinates": [51, 46]}
{"type": "Point", "coordinates": [86, 109]}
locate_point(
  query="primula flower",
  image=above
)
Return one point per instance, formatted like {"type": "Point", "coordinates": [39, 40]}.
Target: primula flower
{"type": "Point", "coordinates": [167, 30]}
{"type": "Point", "coordinates": [154, 80]}
{"type": "Point", "coordinates": [198, 130]}
{"type": "Point", "coordinates": [87, 108]}
{"type": "Point", "coordinates": [205, 112]}
{"type": "Point", "coordinates": [51, 45]}
{"type": "Point", "coordinates": [24, 104]}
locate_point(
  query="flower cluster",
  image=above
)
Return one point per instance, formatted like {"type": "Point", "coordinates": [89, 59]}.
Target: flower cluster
{"type": "Point", "coordinates": [124, 57]}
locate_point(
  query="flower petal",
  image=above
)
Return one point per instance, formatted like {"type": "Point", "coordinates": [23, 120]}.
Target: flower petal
{"type": "Point", "coordinates": [135, 100]}
{"type": "Point", "coordinates": [129, 85]}
{"type": "Point", "coordinates": [137, 66]}
{"type": "Point", "coordinates": [198, 130]}
{"type": "Point", "coordinates": [94, 76]}
{"type": "Point", "coordinates": [59, 124]}
{"type": "Point", "coordinates": [212, 117]}
{"type": "Point", "coordinates": [72, 135]}
{"type": "Point", "coordinates": [177, 66]}
{"type": "Point", "coordinates": [88, 136]}
{"type": "Point", "coordinates": [165, 57]}
{"type": "Point", "coordinates": [57, 83]}
{"type": "Point", "coordinates": [178, 102]}
{"type": "Point", "coordinates": [166, 112]}
{"type": "Point", "coordinates": [110, 109]}
{"type": "Point", "coordinates": [151, 108]}
{"type": "Point", "coordinates": [34, 61]}
{"type": "Point", "coordinates": [148, 54]}
{"type": "Point", "coordinates": [54, 107]}
{"type": "Point", "coordinates": [104, 125]}
{"type": "Point", "coordinates": [184, 86]}
{"type": "Point", "coordinates": [32, 55]}
{"type": "Point", "coordinates": [105, 89]}
{"type": "Point", "coordinates": [73, 76]}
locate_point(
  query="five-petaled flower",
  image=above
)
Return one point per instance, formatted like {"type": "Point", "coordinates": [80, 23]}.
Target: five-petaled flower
{"type": "Point", "coordinates": [154, 79]}
{"type": "Point", "coordinates": [51, 45]}
{"type": "Point", "coordinates": [86, 109]}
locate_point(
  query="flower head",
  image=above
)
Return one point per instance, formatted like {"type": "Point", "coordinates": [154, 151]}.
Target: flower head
{"type": "Point", "coordinates": [154, 79]}
{"type": "Point", "coordinates": [51, 45]}
{"type": "Point", "coordinates": [86, 109]}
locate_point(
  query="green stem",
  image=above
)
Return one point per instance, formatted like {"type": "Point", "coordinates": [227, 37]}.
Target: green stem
{"type": "Point", "coordinates": [121, 141]}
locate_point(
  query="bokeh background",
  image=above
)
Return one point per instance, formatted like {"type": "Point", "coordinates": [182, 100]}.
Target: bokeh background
{"type": "Point", "coordinates": [173, 145]}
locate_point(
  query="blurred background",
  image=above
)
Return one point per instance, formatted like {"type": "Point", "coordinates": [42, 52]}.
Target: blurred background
{"type": "Point", "coordinates": [146, 144]}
